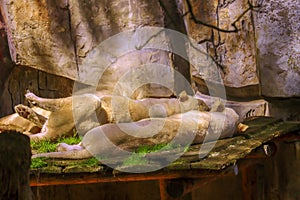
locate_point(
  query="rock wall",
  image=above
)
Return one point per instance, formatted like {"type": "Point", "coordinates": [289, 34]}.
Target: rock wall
{"type": "Point", "coordinates": [261, 57]}
{"type": "Point", "coordinates": [39, 35]}
{"type": "Point", "coordinates": [232, 48]}
{"type": "Point", "coordinates": [256, 57]}
{"type": "Point", "coordinates": [23, 78]}
{"type": "Point", "coordinates": [58, 37]}
{"type": "Point", "coordinates": [278, 45]}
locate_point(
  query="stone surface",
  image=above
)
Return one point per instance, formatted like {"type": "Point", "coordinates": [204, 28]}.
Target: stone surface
{"type": "Point", "coordinates": [233, 52]}
{"type": "Point", "coordinates": [106, 59]}
{"type": "Point", "coordinates": [22, 78]}
{"type": "Point", "coordinates": [94, 21]}
{"type": "Point", "coordinates": [39, 35]}
{"type": "Point", "coordinates": [287, 109]}
{"type": "Point", "coordinates": [58, 37]}
{"type": "Point", "coordinates": [245, 110]}
{"type": "Point", "coordinates": [278, 43]}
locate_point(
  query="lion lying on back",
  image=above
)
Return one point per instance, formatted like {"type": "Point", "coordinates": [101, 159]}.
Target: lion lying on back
{"type": "Point", "coordinates": [108, 109]}
{"type": "Point", "coordinates": [185, 115]}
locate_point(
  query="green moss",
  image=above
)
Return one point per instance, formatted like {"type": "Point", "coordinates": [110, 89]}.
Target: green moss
{"type": "Point", "coordinates": [92, 162]}
{"type": "Point", "coordinates": [159, 147]}
{"type": "Point", "coordinates": [148, 149]}
{"type": "Point", "coordinates": [44, 162]}
{"type": "Point", "coordinates": [38, 163]}
{"type": "Point", "coordinates": [135, 159]}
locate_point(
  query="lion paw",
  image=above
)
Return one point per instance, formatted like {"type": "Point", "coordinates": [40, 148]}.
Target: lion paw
{"type": "Point", "coordinates": [31, 97]}
{"type": "Point", "coordinates": [23, 111]}
{"type": "Point", "coordinates": [62, 147]}
{"type": "Point", "coordinates": [28, 113]}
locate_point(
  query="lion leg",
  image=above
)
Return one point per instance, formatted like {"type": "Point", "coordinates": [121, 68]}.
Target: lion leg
{"type": "Point", "coordinates": [77, 154]}
{"type": "Point", "coordinates": [60, 123]}
{"type": "Point", "coordinates": [47, 104]}
{"type": "Point", "coordinates": [47, 133]}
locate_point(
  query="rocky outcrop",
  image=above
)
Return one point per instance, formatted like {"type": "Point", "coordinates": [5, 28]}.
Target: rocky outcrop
{"type": "Point", "coordinates": [94, 21]}
{"type": "Point", "coordinates": [39, 35]}
{"type": "Point", "coordinates": [256, 46]}
{"type": "Point", "coordinates": [231, 47]}
{"type": "Point", "coordinates": [56, 36]}
{"type": "Point", "coordinates": [61, 37]}
{"type": "Point", "coordinates": [278, 43]}
{"type": "Point", "coordinates": [257, 56]}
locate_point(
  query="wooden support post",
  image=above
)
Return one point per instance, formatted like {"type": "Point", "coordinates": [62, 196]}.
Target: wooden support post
{"type": "Point", "coordinates": [181, 188]}
{"type": "Point", "coordinates": [168, 192]}
{"type": "Point", "coordinates": [249, 182]}
{"type": "Point", "coordinates": [15, 155]}
{"type": "Point", "coordinates": [162, 189]}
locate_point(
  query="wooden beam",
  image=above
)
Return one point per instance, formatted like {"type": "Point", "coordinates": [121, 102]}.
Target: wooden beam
{"type": "Point", "coordinates": [40, 179]}
{"type": "Point", "coordinates": [292, 137]}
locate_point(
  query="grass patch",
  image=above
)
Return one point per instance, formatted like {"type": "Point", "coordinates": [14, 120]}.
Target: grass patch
{"type": "Point", "coordinates": [138, 157]}
{"type": "Point", "coordinates": [43, 146]}
{"type": "Point", "coordinates": [38, 163]}
{"type": "Point", "coordinates": [50, 146]}
{"type": "Point", "coordinates": [70, 140]}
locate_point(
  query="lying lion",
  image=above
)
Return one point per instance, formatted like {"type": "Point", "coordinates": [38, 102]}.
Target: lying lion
{"type": "Point", "coordinates": [193, 126]}
{"type": "Point", "coordinates": [185, 116]}
{"type": "Point", "coordinates": [108, 109]}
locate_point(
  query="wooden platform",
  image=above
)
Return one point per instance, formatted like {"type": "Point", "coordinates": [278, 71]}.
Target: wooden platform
{"type": "Point", "coordinates": [193, 169]}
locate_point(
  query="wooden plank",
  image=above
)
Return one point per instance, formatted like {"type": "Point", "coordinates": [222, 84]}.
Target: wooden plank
{"type": "Point", "coordinates": [227, 152]}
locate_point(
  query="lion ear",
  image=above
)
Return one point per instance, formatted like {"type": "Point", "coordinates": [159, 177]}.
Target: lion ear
{"type": "Point", "coordinates": [183, 96]}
